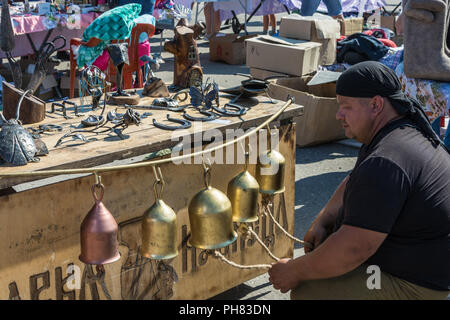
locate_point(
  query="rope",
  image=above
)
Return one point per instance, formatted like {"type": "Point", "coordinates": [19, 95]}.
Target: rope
{"type": "Point", "coordinates": [145, 163]}
{"type": "Point", "coordinates": [221, 257]}
{"type": "Point", "coordinates": [266, 210]}
{"type": "Point", "coordinates": [250, 231]}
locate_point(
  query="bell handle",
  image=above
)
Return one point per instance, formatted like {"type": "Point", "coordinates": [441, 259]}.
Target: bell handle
{"type": "Point", "coordinates": [158, 195]}
{"type": "Point", "coordinates": [102, 187]}
{"type": "Point", "coordinates": [159, 180]}
{"type": "Point", "coordinates": [207, 173]}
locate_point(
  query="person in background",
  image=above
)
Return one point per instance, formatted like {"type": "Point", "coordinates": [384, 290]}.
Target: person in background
{"type": "Point", "coordinates": [269, 19]}
{"type": "Point", "coordinates": [147, 5]}
{"type": "Point", "coordinates": [334, 7]}
{"type": "Point", "coordinates": [209, 15]}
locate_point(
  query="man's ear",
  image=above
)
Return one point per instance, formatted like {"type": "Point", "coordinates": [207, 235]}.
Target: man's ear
{"type": "Point", "coordinates": [377, 104]}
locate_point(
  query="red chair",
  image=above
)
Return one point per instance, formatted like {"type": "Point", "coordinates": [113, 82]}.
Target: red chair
{"type": "Point", "coordinates": [127, 69]}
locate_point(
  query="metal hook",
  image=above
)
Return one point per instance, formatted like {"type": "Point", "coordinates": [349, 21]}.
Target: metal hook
{"type": "Point", "coordinates": [98, 179]}
{"type": "Point", "coordinates": [184, 124]}
{"type": "Point", "coordinates": [159, 180]}
{"type": "Point", "coordinates": [207, 172]}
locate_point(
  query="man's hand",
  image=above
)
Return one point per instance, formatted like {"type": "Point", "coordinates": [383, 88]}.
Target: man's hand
{"type": "Point", "coordinates": [315, 235]}
{"type": "Point", "coordinates": [283, 276]}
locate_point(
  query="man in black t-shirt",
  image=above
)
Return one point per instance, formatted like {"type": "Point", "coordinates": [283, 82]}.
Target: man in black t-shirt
{"type": "Point", "coordinates": [385, 233]}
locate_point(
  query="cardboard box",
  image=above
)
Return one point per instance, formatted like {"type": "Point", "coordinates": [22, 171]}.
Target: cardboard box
{"type": "Point", "coordinates": [64, 85]}
{"type": "Point", "coordinates": [229, 48]}
{"type": "Point", "coordinates": [262, 74]}
{"type": "Point", "coordinates": [350, 26]}
{"type": "Point", "coordinates": [318, 123]}
{"type": "Point", "coordinates": [290, 56]}
{"type": "Point", "coordinates": [318, 28]}
{"type": "Point", "coordinates": [388, 22]}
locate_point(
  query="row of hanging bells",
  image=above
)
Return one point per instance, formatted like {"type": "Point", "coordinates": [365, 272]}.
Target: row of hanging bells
{"type": "Point", "coordinates": [211, 215]}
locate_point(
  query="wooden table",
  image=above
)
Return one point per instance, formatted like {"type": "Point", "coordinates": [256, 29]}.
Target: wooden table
{"type": "Point", "coordinates": [40, 226]}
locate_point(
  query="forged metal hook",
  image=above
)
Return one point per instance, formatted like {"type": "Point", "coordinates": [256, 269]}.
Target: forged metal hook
{"type": "Point", "coordinates": [184, 124]}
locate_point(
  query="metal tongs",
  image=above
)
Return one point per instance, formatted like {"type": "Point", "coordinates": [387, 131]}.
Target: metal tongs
{"type": "Point", "coordinates": [44, 54]}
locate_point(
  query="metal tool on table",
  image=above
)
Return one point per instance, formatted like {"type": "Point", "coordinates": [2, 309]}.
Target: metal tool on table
{"type": "Point", "coordinates": [17, 146]}
{"type": "Point", "coordinates": [63, 108]}
{"type": "Point", "coordinates": [251, 87]}
{"type": "Point", "coordinates": [209, 116]}
{"type": "Point", "coordinates": [7, 44]}
{"type": "Point", "coordinates": [44, 53]}
{"type": "Point", "coordinates": [240, 110]}
{"type": "Point", "coordinates": [183, 124]}
{"type": "Point", "coordinates": [167, 103]}
{"type": "Point", "coordinates": [44, 128]}
{"type": "Point", "coordinates": [120, 123]}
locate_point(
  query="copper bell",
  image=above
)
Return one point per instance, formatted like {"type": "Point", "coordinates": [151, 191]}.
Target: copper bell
{"type": "Point", "coordinates": [243, 193]}
{"type": "Point", "coordinates": [270, 171]}
{"type": "Point", "coordinates": [98, 234]}
{"type": "Point", "coordinates": [210, 217]}
{"type": "Point", "coordinates": [159, 227]}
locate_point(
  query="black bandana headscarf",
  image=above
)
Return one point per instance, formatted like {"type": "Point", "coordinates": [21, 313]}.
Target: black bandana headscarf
{"type": "Point", "coordinates": [371, 78]}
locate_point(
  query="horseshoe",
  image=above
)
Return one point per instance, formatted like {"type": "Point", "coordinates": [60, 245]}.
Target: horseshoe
{"type": "Point", "coordinates": [240, 110]}
{"type": "Point", "coordinates": [184, 124]}
{"type": "Point", "coordinates": [209, 116]}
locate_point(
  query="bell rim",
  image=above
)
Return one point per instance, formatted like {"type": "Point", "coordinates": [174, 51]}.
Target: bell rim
{"type": "Point", "coordinates": [217, 246]}
{"type": "Point", "coordinates": [253, 219]}
{"type": "Point", "coordinates": [159, 257]}
{"type": "Point", "coordinates": [106, 261]}
{"type": "Point", "coordinates": [273, 192]}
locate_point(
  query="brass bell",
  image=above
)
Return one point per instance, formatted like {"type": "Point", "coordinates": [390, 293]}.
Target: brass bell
{"type": "Point", "coordinates": [243, 193]}
{"type": "Point", "coordinates": [159, 227]}
{"type": "Point", "coordinates": [98, 234]}
{"type": "Point", "coordinates": [270, 171]}
{"type": "Point", "coordinates": [210, 217]}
